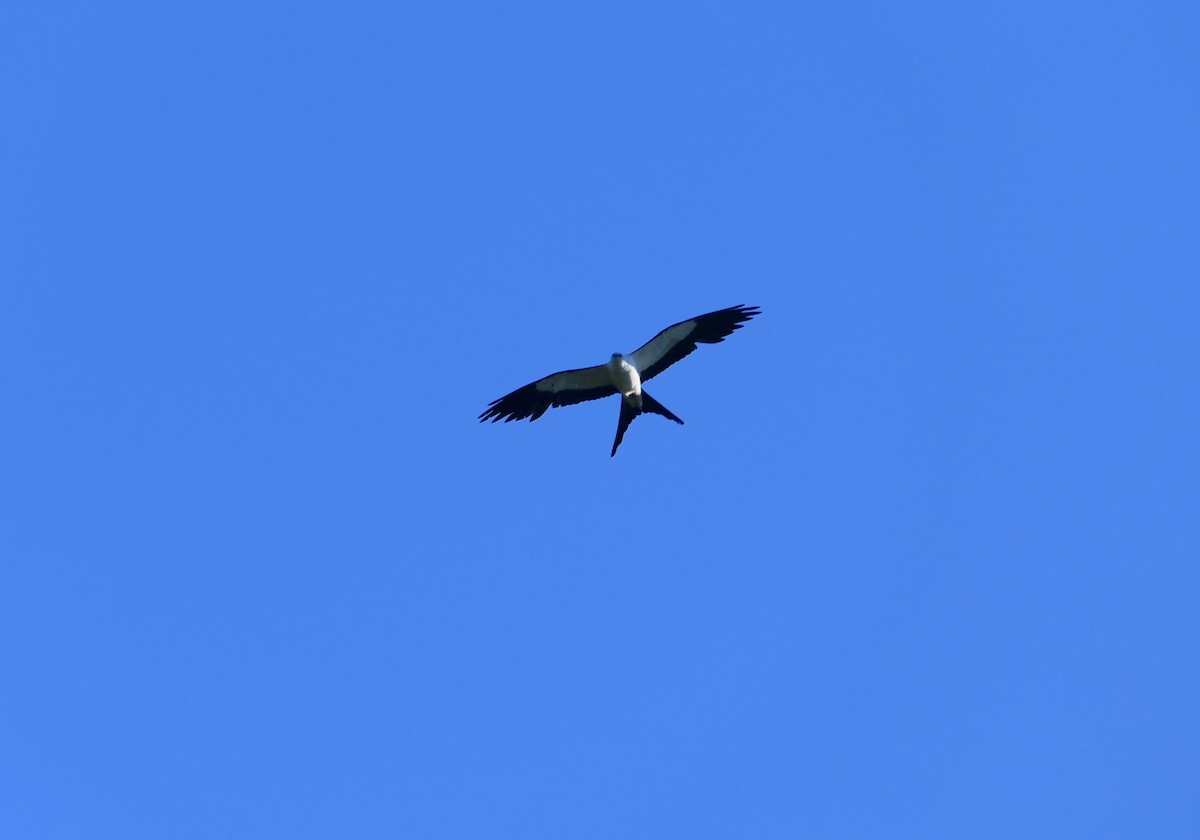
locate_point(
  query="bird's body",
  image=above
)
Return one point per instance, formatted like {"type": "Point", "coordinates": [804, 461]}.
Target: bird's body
{"type": "Point", "coordinates": [626, 379]}
{"type": "Point", "coordinates": [622, 374]}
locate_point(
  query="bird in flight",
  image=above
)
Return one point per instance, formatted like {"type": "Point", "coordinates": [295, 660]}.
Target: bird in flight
{"type": "Point", "coordinates": [622, 374]}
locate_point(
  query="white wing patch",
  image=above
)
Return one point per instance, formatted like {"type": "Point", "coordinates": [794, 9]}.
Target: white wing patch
{"type": "Point", "coordinates": [649, 353]}
{"type": "Point", "coordinates": [575, 380]}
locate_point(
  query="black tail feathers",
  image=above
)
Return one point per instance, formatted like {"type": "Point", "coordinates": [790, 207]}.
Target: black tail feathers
{"type": "Point", "coordinates": [628, 412]}
{"type": "Point", "coordinates": [655, 407]}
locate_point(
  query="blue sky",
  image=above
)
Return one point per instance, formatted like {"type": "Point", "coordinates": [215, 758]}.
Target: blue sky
{"type": "Point", "coordinates": [921, 563]}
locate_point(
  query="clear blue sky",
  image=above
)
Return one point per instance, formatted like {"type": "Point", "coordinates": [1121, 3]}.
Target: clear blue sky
{"type": "Point", "coordinates": [921, 563]}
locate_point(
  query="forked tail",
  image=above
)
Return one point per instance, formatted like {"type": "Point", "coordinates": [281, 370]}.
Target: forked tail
{"type": "Point", "coordinates": [628, 412]}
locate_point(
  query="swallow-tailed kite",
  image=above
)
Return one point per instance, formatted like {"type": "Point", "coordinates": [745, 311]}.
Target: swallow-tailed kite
{"type": "Point", "coordinates": [622, 375]}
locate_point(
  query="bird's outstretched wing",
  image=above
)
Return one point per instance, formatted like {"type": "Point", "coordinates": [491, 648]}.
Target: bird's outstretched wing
{"type": "Point", "coordinates": [566, 387]}
{"type": "Point", "coordinates": [678, 340]}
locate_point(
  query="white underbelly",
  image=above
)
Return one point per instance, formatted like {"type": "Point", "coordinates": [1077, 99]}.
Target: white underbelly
{"type": "Point", "coordinates": [625, 378]}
